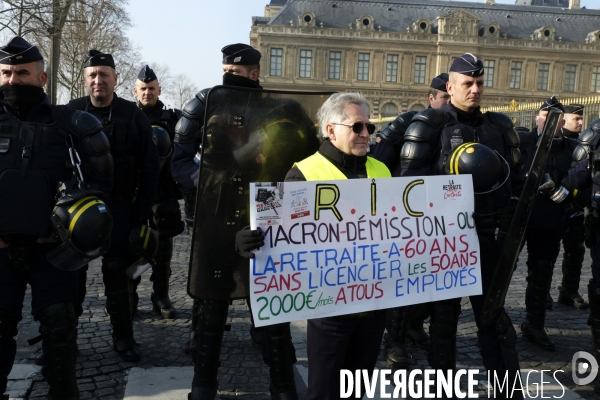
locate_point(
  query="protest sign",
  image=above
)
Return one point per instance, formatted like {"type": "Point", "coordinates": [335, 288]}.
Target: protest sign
{"type": "Point", "coordinates": [346, 246]}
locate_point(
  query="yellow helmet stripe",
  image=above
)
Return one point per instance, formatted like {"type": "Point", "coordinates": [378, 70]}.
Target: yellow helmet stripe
{"type": "Point", "coordinates": [456, 156]}
{"type": "Point", "coordinates": [93, 202]}
{"type": "Point", "coordinates": [147, 238]}
{"type": "Point", "coordinates": [79, 202]}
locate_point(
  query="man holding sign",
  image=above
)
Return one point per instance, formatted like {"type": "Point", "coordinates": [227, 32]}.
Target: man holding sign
{"type": "Point", "coordinates": [344, 123]}
{"type": "Point", "coordinates": [430, 142]}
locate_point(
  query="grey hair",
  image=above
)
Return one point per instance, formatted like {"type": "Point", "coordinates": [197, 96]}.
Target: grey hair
{"type": "Point", "coordinates": [334, 109]}
{"type": "Point", "coordinates": [41, 64]}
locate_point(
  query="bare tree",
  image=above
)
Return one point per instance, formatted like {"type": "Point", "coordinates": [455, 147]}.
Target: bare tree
{"type": "Point", "coordinates": [182, 89]}
{"type": "Point", "coordinates": [81, 25]}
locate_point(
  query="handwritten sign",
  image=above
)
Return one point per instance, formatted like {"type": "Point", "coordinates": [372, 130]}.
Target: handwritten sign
{"type": "Point", "coordinates": [346, 246]}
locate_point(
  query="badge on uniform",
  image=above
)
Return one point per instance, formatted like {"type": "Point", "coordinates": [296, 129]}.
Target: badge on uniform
{"type": "Point", "coordinates": [456, 139]}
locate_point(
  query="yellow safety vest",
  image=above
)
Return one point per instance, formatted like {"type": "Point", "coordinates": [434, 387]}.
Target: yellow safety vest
{"type": "Point", "coordinates": [319, 168]}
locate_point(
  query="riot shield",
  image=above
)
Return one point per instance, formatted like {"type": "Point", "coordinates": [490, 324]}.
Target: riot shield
{"type": "Point", "coordinates": [249, 135]}
{"type": "Point", "coordinates": [496, 295]}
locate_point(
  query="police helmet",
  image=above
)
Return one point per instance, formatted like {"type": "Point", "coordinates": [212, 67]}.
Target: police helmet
{"type": "Point", "coordinates": [162, 139]}
{"type": "Point", "coordinates": [489, 170]}
{"type": "Point", "coordinates": [143, 244]}
{"type": "Point", "coordinates": [83, 223]}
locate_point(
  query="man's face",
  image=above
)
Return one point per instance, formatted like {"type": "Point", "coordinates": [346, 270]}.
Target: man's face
{"type": "Point", "coordinates": [100, 81]}
{"type": "Point", "coordinates": [241, 70]}
{"type": "Point", "coordinates": [23, 74]}
{"type": "Point", "coordinates": [344, 138]}
{"type": "Point", "coordinates": [147, 93]}
{"type": "Point", "coordinates": [439, 100]}
{"type": "Point", "coordinates": [574, 122]}
{"type": "Point", "coordinates": [465, 91]}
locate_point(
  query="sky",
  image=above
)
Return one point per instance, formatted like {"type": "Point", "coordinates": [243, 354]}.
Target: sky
{"type": "Point", "coordinates": [189, 34]}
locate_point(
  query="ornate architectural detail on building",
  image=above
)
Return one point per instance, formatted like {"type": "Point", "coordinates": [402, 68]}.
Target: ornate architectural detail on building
{"type": "Point", "coordinates": [513, 106]}
{"type": "Point", "coordinates": [307, 19]}
{"type": "Point", "coordinates": [491, 31]}
{"type": "Point", "coordinates": [546, 33]}
{"type": "Point", "coordinates": [459, 22]}
{"type": "Point", "coordinates": [593, 37]}
{"type": "Point", "coordinates": [366, 22]}
{"type": "Point", "coordinates": [421, 26]}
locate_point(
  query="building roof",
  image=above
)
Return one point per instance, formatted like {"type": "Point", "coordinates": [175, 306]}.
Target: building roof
{"type": "Point", "coordinates": [516, 21]}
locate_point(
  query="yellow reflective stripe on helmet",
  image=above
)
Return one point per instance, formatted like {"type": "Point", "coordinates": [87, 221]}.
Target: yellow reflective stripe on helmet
{"type": "Point", "coordinates": [456, 157]}
{"type": "Point", "coordinates": [147, 238]}
{"type": "Point", "coordinates": [93, 202]}
{"type": "Point", "coordinates": [142, 231]}
{"type": "Point", "coordinates": [575, 192]}
{"type": "Point", "coordinates": [79, 202]}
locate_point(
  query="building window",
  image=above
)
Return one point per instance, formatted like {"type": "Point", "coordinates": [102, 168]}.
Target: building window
{"type": "Point", "coordinates": [420, 66]}
{"type": "Point", "coordinates": [276, 58]}
{"type": "Point", "coordinates": [391, 74]}
{"type": "Point", "coordinates": [570, 74]}
{"type": "Point", "coordinates": [488, 76]}
{"type": "Point", "coordinates": [543, 76]}
{"type": "Point", "coordinates": [305, 63]}
{"type": "Point", "coordinates": [515, 75]}
{"type": "Point", "coordinates": [363, 66]}
{"type": "Point", "coordinates": [335, 64]}
{"type": "Point", "coordinates": [595, 79]}
{"type": "Point", "coordinates": [389, 110]}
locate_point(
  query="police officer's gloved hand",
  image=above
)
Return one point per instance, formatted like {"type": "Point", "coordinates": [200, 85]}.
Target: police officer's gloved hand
{"type": "Point", "coordinates": [247, 240]}
{"type": "Point", "coordinates": [485, 224]}
{"type": "Point", "coordinates": [548, 187]}
{"type": "Point", "coordinates": [167, 218]}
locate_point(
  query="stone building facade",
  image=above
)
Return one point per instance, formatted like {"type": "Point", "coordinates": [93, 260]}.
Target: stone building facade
{"type": "Point", "coordinates": [391, 49]}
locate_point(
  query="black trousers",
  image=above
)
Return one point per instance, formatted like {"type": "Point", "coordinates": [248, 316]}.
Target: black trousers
{"type": "Point", "coordinates": [346, 342]}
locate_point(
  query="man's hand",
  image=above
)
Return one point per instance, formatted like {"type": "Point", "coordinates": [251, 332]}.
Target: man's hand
{"type": "Point", "coordinates": [3, 244]}
{"type": "Point", "coordinates": [547, 185]}
{"type": "Point", "coordinates": [247, 240]}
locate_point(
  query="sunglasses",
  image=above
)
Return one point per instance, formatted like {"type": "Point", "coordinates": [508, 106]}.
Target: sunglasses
{"type": "Point", "coordinates": [357, 127]}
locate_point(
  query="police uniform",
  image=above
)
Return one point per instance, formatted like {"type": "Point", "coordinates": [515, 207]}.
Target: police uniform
{"type": "Point", "coordinates": [544, 228]}
{"type": "Point", "coordinates": [167, 215]}
{"type": "Point", "coordinates": [572, 239]}
{"type": "Point", "coordinates": [210, 316]}
{"type": "Point", "coordinates": [404, 323]}
{"type": "Point", "coordinates": [348, 341]}
{"type": "Point", "coordinates": [582, 177]}
{"type": "Point", "coordinates": [135, 190]}
{"type": "Point", "coordinates": [429, 140]}
{"type": "Point", "coordinates": [34, 159]}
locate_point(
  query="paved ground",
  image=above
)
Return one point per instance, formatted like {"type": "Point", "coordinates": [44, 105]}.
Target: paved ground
{"type": "Point", "coordinates": [102, 375]}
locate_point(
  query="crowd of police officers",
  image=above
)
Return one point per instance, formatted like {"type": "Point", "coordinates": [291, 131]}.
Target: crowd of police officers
{"type": "Point", "coordinates": [103, 176]}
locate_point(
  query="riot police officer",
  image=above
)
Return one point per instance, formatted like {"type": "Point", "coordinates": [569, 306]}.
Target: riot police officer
{"type": "Point", "coordinates": [36, 146]}
{"type": "Point", "coordinates": [406, 323]}
{"type": "Point", "coordinates": [242, 69]}
{"type": "Point", "coordinates": [135, 187]}
{"type": "Point", "coordinates": [544, 229]}
{"type": "Point", "coordinates": [167, 216]}
{"type": "Point", "coordinates": [429, 140]}
{"type": "Point", "coordinates": [573, 237]}
{"type": "Point", "coordinates": [584, 175]}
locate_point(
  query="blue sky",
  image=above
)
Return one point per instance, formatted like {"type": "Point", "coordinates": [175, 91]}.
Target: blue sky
{"type": "Point", "coordinates": [189, 34]}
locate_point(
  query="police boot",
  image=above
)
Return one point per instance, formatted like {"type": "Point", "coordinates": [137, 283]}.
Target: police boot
{"type": "Point", "coordinates": [135, 297]}
{"type": "Point", "coordinates": [396, 352]}
{"type": "Point", "coordinates": [549, 301]}
{"type": "Point", "coordinates": [538, 284]}
{"type": "Point", "coordinates": [161, 273]}
{"type": "Point", "coordinates": [282, 357]}
{"type": "Point", "coordinates": [8, 348]}
{"type": "Point", "coordinates": [442, 334]}
{"type": "Point", "coordinates": [571, 269]}
{"type": "Point", "coordinates": [594, 322]}
{"type": "Point", "coordinates": [117, 287]}
{"type": "Point", "coordinates": [190, 347]}
{"type": "Point", "coordinates": [59, 327]}
{"type": "Point", "coordinates": [209, 337]}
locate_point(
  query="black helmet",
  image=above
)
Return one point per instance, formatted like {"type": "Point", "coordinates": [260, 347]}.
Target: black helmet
{"type": "Point", "coordinates": [489, 170]}
{"type": "Point", "coordinates": [83, 223]}
{"type": "Point", "coordinates": [162, 139]}
{"type": "Point", "coordinates": [143, 244]}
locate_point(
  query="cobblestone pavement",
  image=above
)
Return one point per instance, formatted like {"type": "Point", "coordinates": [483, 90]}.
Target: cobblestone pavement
{"type": "Point", "coordinates": [102, 375]}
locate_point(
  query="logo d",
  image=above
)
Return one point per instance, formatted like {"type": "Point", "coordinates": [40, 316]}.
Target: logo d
{"type": "Point", "coordinates": [581, 367]}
